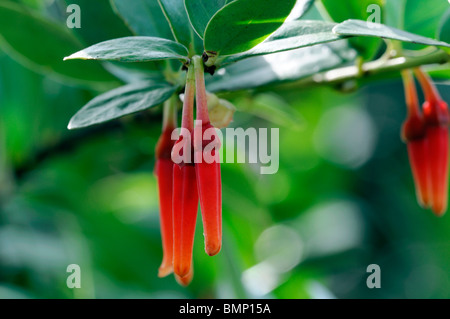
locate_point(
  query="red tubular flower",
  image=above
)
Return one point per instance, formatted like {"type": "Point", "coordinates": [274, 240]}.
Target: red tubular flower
{"type": "Point", "coordinates": [164, 173]}
{"type": "Point", "coordinates": [185, 205]}
{"type": "Point", "coordinates": [207, 166]}
{"type": "Point", "coordinates": [413, 133]}
{"type": "Point", "coordinates": [186, 280]}
{"type": "Point", "coordinates": [437, 118]}
{"type": "Point", "coordinates": [185, 194]}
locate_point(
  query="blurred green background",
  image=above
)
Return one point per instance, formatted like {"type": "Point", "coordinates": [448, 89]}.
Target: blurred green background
{"type": "Point", "coordinates": [343, 197]}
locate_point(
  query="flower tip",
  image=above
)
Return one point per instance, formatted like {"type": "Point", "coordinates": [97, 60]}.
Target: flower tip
{"type": "Point", "coordinates": [423, 204]}
{"type": "Point", "coordinates": [423, 198]}
{"type": "Point", "coordinates": [186, 280]}
{"type": "Point", "coordinates": [213, 249]}
{"type": "Point", "coordinates": [164, 271]}
{"type": "Point", "coordinates": [439, 211]}
{"type": "Point", "coordinates": [182, 270]}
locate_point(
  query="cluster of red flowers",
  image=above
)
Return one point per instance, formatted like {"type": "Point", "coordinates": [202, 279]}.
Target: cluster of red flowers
{"type": "Point", "coordinates": [426, 133]}
{"type": "Point", "coordinates": [183, 185]}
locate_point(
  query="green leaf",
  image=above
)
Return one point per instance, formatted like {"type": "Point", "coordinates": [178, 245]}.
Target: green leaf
{"type": "Point", "coordinates": [291, 35]}
{"type": "Point", "coordinates": [95, 13]}
{"type": "Point", "coordinates": [444, 27]}
{"type": "Point", "coordinates": [351, 9]}
{"type": "Point", "coordinates": [201, 11]}
{"type": "Point", "coordinates": [302, 7]}
{"type": "Point", "coordinates": [144, 17]}
{"type": "Point", "coordinates": [121, 101]}
{"type": "Point", "coordinates": [281, 67]}
{"type": "Point", "coordinates": [133, 49]}
{"type": "Point", "coordinates": [135, 72]}
{"type": "Point", "coordinates": [313, 13]}
{"type": "Point", "coordinates": [356, 9]}
{"type": "Point", "coordinates": [423, 17]}
{"type": "Point", "coordinates": [368, 29]}
{"type": "Point", "coordinates": [242, 24]}
{"type": "Point", "coordinates": [41, 45]}
{"type": "Point", "coordinates": [394, 13]}
{"type": "Point", "coordinates": [177, 17]}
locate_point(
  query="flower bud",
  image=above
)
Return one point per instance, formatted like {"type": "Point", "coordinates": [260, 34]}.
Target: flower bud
{"type": "Point", "coordinates": [437, 118]}
{"type": "Point", "coordinates": [414, 135]}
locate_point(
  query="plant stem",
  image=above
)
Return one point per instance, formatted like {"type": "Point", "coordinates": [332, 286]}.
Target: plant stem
{"type": "Point", "coordinates": [373, 68]}
{"type": "Point", "coordinates": [188, 104]}
{"type": "Point", "coordinates": [412, 101]}
{"type": "Point", "coordinates": [202, 104]}
{"type": "Point", "coordinates": [430, 91]}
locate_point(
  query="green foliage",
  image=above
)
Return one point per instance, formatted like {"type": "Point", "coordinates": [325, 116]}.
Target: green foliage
{"type": "Point", "coordinates": [178, 19]}
{"type": "Point", "coordinates": [444, 27]}
{"type": "Point", "coordinates": [356, 9]}
{"type": "Point", "coordinates": [200, 12]}
{"type": "Point", "coordinates": [363, 28]}
{"type": "Point", "coordinates": [244, 29]}
{"type": "Point", "coordinates": [343, 196]}
{"type": "Point", "coordinates": [420, 16]}
{"type": "Point", "coordinates": [242, 24]}
{"type": "Point", "coordinates": [282, 67]}
{"type": "Point", "coordinates": [93, 16]}
{"type": "Point", "coordinates": [291, 35]}
{"type": "Point", "coordinates": [45, 49]}
{"type": "Point", "coordinates": [122, 101]}
{"type": "Point", "coordinates": [133, 49]}
{"type": "Point", "coordinates": [144, 17]}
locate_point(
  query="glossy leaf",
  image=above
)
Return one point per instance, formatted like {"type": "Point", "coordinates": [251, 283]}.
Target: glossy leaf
{"type": "Point", "coordinates": [177, 17]}
{"type": "Point", "coordinates": [135, 72]}
{"type": "Point", "coordinates": [422, 17]}
{"type": "Point", "coordinates": [243, 24]}
{"type": "Point", "coordinates": [132, 49]}
{"type": "Point", "coordinates": [313, 13]}
{"type": "Point", "coordinates": [291, 35]}
{"type": "Point", "coordinates": [356, 9]}
{"type": "Point", "coordinates": [94, 13]}
{"type": "Point", "coordinates": [201, 11]}
{"type": "Point", "coordinates": [121, 101]}
{"type": "Point", "coordinates": [144, 17]}
{"type": "Point", "coordinates": [394, 12]}
{"type": "Point", "coordinates": [363, 28]}
{"type": "Point", "coordinates": [281, 67]}
{"type": "Point", "coordinates": [300, 9]}
{"type": "Point", "coordinates": [444, 27]}
{"type": "Point", "coordinates": [42, 45]}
